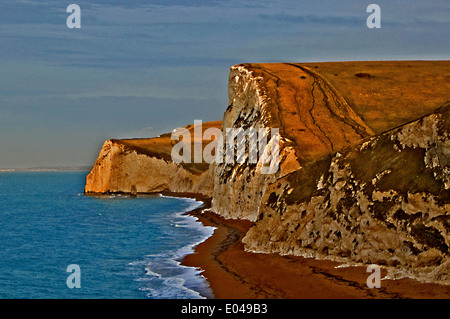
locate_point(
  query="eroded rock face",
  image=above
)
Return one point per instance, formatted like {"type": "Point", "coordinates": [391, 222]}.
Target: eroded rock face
{"type": "Point", "coordinates": [312, 119]}
{"type": "Point", "coordinates": [120, 169]}
{"type": "Point", "coordinates": [145, 166]}
{"type": "Point", "coordinates": [384, 201]}
{"type": "Point", "coordinates": [238, 188]}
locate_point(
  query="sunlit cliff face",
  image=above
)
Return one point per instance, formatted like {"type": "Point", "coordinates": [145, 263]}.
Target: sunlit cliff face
{"type": "Point", "coordinates": [363, 172]}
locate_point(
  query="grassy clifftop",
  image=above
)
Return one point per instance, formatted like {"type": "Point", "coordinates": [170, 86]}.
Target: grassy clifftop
{"type": "Point", "coordinates": [323, 107]}
{"type": "Point", "coordinates": [387, 94]}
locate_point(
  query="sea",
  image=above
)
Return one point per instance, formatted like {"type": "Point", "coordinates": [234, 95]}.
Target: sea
{"type": "Point", "coordinates": [57, 243]}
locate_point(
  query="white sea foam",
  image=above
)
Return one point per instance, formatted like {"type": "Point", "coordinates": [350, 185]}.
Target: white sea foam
{"type": "Point", "coordinates": [164, 276]}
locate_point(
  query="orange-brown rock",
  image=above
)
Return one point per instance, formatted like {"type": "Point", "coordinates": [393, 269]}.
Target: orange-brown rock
{"type": "Point", "coordinates": [319, 109]}
{"type": "Point", "coordinates": [145, 166]}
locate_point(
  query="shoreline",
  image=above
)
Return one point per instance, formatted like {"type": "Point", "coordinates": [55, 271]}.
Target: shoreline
{"type": "Point", "coordinates": [234, 273]}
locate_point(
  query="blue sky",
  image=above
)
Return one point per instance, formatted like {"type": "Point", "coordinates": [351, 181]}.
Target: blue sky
{"type": "Point", "coordinates": [140, 68]}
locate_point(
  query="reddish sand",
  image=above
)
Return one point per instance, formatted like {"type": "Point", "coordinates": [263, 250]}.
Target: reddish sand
{"type": "Point", "coordinates": [234, 273]}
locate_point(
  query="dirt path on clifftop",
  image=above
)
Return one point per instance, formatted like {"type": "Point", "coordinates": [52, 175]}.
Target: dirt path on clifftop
{"type": "Point", "coordinates": [234, 273]}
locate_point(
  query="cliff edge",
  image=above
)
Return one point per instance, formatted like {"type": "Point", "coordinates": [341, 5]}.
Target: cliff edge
{"type": "Point", "coordinates": [145, 166]}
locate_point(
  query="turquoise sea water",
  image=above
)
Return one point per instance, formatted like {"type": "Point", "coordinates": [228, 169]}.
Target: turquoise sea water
{"type": "Point", "coordinates": [125, 247]}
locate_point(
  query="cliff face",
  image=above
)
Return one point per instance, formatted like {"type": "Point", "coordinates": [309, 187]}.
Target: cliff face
{"type": "Point", "coordinates": [145, 166]}
{"type": "Point", "coordinates": [238, 188]}
{"type": "Point", "coordinates": [119, 170]}
{"type": "Point", "coordinates": [319, 109]}
{"type": "Point", "coordinates": [312, 119]}
{"type": "Point", "coordinates": [384, 201]}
